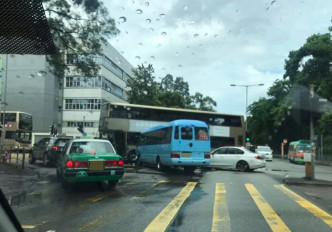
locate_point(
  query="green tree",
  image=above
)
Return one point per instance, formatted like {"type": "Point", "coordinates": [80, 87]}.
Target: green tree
{"type": "Point", "coordinates": [169, 92]}
{"type": "Point", "coordinates": [143, 89]}
{"type": "Point", "coordinates": [78, 27]}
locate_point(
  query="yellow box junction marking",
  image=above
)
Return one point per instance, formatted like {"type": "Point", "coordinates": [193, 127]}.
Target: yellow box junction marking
{"type": "Point", "coordinates": [318, 212]}
{"type": "Point", "coordinates": [220, 221]}
{"type": "Point", "coordinates": [271, 217]}
{"type": "Point", "coordinates": [165, 217]}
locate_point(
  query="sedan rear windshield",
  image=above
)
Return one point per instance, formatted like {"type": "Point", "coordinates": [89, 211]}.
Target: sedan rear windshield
{"type": "Point", "coordinates": [91, 147]}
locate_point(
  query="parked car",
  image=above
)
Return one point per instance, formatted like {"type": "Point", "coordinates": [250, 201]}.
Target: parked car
{"type": "Point", "coordinates": [86, 160]}
{"type": "Point", "coordinates": [265, 151]}
{"type": "Point", "coordinates": [236, 158]}
{"type": "Point", "coordinates": [47, 150]}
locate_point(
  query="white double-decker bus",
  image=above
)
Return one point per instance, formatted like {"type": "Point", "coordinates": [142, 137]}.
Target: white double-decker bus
{"type": "Point", "coordinates": [121, 123]}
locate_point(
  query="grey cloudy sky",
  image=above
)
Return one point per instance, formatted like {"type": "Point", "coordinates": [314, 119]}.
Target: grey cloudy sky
{"type": "Point", "coordinates": [215, 43]}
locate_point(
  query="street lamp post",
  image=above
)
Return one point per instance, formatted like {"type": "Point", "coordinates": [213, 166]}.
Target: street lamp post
{"type": "Point", "coordinates": [246, 86]}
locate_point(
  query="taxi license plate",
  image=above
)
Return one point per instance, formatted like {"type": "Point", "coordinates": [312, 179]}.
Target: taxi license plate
{"type": "Point", "coordinates": [186, 155]}
{"type": "Point", "coordinates": [96, 165]}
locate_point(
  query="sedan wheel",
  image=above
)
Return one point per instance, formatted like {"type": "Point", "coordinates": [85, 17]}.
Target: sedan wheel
{"type": "Point", "coordinates": [45, 160]}
{"type": "Point", "coordinates": [242, 166]}
{"type": "Point", "coordinates": [31, 158]}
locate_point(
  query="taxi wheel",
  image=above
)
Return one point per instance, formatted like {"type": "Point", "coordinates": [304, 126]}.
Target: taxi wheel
{"type": "Point", "coordinates": [242, 166]}
{"type": "Point", "coordinates": [112, 184]}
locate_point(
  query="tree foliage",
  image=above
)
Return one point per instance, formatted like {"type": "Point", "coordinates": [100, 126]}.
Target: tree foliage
{"type": "Point", "coordinates": [274, 118]}
{"type": "Point", "coordinates": [169, 92]}
{"type": "Point", "coordinates": [78, 27]}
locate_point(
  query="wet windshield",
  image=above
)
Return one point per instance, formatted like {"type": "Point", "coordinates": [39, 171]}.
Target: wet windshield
{"type": "Point", "coordinates": [80, 80]}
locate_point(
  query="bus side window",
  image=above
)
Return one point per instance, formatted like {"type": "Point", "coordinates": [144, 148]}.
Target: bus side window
{"type": "Point", "coordinates": [176, 133]}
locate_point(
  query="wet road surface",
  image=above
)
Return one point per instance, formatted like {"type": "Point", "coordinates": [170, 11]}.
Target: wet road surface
{"type": "Point", "coordinates": [209, 200]}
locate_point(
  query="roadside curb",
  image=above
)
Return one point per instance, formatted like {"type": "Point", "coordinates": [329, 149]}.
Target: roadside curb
{"type": "Point", "coordinates": [303, 181]}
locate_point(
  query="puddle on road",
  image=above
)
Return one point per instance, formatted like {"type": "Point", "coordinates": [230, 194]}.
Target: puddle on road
{"type": "Point", "coordinates": [176, 223]}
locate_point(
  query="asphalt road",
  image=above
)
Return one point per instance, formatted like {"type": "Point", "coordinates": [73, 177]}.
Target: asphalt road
{"type": "Point", "coordinates": [209, 200]}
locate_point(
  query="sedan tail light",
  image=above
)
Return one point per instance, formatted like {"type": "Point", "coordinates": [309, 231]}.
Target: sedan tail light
{"type": "Point", "coordinates": [69, 164]}
{"type": "Point", "coordinates": [175, 154]}
{"type": "Point", "coordinates": [55, 148]}
{"type": "Point", "coordinates": [114, 163]}
{"type": "Point", "coordinates": [207, 155]}
{"type": "Point", "coordinates": [259, 157]}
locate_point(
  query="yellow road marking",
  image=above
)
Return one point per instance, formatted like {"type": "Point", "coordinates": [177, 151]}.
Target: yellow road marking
{"type": "Point", "coordinates": [29, 226]}
{"type": "Point", "coordinates": [220, 221]}
{"type": "Point", "coordinates": [101, 196]}
{"type": "Point", "coordinates": [165, 217]}
{"type": "Point", "coordinates": [93, 224]}
{"type": "Point", "coordinates": [318, 212]}
{"type": "Point", "coordinates": [271, 217]}
{"type": "Point", "coordinates": [143, 194]}
{"type": "Point", "coordinates": [42, 182]}
{"type": "Point", "coordinates": [33, 226]}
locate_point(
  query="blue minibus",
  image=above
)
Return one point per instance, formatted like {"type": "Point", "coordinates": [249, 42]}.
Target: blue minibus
{"type": "Point", "coordinates": [180, 143]}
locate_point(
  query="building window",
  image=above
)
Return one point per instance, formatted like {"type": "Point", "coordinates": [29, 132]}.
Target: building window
{"type": "Point", "coordinates": [76, 124]}
{"type": "Point", "coordinates": [72, 59]}
{"type": "Point", "coordinates": [83, 104]}
{"type": "Point", "coordinates": [83, 82]}
{"type": "Point", "coordinates": [110, 65]}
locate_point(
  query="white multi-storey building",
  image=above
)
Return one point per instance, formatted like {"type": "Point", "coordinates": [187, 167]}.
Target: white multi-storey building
{"type": "Point", "coordinates": [83, 96]}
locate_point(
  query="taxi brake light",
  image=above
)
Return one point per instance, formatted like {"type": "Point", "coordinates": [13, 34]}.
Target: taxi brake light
{"type": "Point", "coordinates": [120, 163]}
{"type": "Point", "coordinates": [81, 164]}
{"type": "Point", "coordinates": [70, 164]}
{"type": "Point", "coordinates": [55, 148]}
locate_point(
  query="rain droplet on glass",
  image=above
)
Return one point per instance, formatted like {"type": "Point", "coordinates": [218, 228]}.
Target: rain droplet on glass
{"type": "Point", "coordinates": [21, 92]}
{"type": "Point", "coordinates": [196, 35]}
{"type": "Point", "coordinates": [177, 53]}
{"type": "Point", "coordinates": [206, 34]}
{"type": "Point", "coordinates": [31, 76]}
{"type": "Point", "coordinates": [41, 73]}
{"type": "Point", "coordinates": [12, 55]}
{"type": "Point", "coordinates": [157, 20]}
{"type": "Point", "coordinates": [139, 11]}
{"type": "Point", "coordinates": [140, 44]}
{"type": "Point", "coordinates": [162, 15]}
{"type": "Point", "coordinates": [122, 19]}
{"type": "Point", "coordinates": [180, 66]}
{"type": "Point", "coordinates": [138, 57]}
{"type": "Point", "coordinates": [215, 35]}
{"type": "Point", "coordinates": [126, 33]}
{"type": "Point", "coordinates": [163, 33]}
{"type": "Point", "coordinates": [151, 29]}
{"type": "Point", "coordinates": [147, 3]}
{"type": "Point", "coordinates": [148, 20]}
{"type": "Point", "coordinates": [18, 76]}
{"type": "Point", "coordinates": [188, 46]}
{"type": "Point", "coordinates": [185, 8]}
{"type": "Point", "coordinates": [152, 57]}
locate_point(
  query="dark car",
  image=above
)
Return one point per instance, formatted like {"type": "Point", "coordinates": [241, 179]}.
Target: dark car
{"type": "Point", "coordinates": [48, 150]}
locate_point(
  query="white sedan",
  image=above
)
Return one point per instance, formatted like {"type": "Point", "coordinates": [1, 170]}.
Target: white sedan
{"type": "Point", "coordinates": [236, 158]}
{"type": "Point", "coordinates": [265, 151]}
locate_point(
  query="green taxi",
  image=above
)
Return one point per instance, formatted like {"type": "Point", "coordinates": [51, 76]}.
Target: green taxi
{"type": "Point", "coordinates": [86, 160]}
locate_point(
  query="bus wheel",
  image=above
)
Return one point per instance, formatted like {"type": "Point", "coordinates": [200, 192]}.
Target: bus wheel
{"type": "Point", "coordinates": [158, 164]}
{"type": "Point", "coordinates": [31, 158]}
{"type": "Point", "coordinates": [242, 166]}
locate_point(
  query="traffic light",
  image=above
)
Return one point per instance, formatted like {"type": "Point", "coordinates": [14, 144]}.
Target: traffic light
{"type": "Point", "coordinates": [51, 129]}
{"type": "Point", "coordinates": [80, 128]}
{"type": "Point", "coordinates": [247, 136]}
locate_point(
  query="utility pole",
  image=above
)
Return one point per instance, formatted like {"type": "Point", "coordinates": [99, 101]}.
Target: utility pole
{"type": "Point", "coordinates": [312, 135]}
